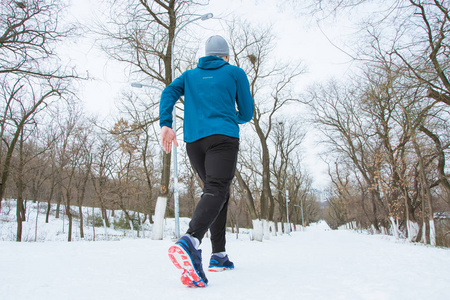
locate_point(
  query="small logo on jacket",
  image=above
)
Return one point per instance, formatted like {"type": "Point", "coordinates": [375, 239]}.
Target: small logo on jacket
{"type": "Point", "coordinates": [208, 77]}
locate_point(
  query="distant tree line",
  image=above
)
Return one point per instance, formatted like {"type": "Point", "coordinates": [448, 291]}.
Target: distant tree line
{"type": "Point", "coordinates": [388, 127]}
{"type": "Point", "coordinates": [52, 151]}
{"type": "Point", "coordinates": [385, 127]}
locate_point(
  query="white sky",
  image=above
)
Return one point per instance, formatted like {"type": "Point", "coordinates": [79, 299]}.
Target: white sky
{"type": "Point", "coordinates": [298, 38]}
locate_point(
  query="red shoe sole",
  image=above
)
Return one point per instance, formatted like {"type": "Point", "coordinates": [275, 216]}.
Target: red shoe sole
{"type": "Point", "coordinates": [181, 260]}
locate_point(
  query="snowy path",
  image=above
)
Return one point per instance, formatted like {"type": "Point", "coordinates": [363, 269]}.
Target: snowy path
{"type": "Point", "coordinates": [316, 264]}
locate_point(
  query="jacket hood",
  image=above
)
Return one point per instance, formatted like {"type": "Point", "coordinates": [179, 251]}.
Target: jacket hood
{"type": "Point", "coordinates": [211, 62]}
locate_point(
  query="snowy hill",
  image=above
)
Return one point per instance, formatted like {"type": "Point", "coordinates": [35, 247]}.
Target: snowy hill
{"type": "Point", "coordinates": [317, 263]}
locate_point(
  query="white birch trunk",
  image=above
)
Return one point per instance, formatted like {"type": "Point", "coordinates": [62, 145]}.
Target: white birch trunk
{"type": "Point", "coordinates": [93, 223]}
{"type": "Point", "coordinates": [257, 230]}
{"type": "Point", "coordinates": [374, 231]}
{"type": "Point", "coordinates": [266, 229]}
{"type": "Point", "coordinates": [413, 230]}
{"type": "Point", "coordinates": [432, 233]}
{"type": "Point", "coordinates": [424, 233]}
{"type": "Point", "coordinates": [132, 228]}
{"type": "Point", "coordinates": [272, 228]}
{"type": "Point", "coordinates": [158, 219]}
{"type": "Point", "coordinates": [143, 229]}
{"type": "Point", "coordinates": [106, 229]}
{"type": "Point", "coordinates": [280, 228]}
{"type": "Point", "coordinates": [63, 219]}
{"type": "Point", "coordinates": [394, 227]}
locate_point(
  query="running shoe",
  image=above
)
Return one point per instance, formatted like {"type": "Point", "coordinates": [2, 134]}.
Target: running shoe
{"type": "Point", "coordinates": [219, 264]}
{"type": "Point", "coordinates": [185, 257]}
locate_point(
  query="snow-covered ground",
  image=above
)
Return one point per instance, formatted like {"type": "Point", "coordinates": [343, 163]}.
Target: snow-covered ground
{"type": "Point", "coordinates": [315, 264]}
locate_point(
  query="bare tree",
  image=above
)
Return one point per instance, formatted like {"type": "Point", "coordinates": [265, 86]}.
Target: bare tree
{"type": "Point", "coordinates": [29, 175]}
{"type": "Point", "coordinates": [39, 169]}
{"type": "Point", "coordinates": [397, 117]}
{"type": "Point", "coordinates": [29, 32]}
{"type": "Point", "coordinates": [84, 170]}
{"type": "Point", "coordinates": [287, 176]}
{"type": "Point", "coordinates": [70, 153]}
{"type": "Point", "coordinates": [141, 33]}
{"type": "Point", "coordinates": [271, 88]}
{"type": "Point", "coordinates": [102, 167]}
{"type": "Point", "coordinates": [440, 147]}
{"type": "Point", "coordinates": [141, 130]}
{"type": "Point", "coordinates": [337, 213]}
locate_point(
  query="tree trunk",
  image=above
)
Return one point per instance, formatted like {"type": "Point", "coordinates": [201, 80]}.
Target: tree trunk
{"type": "Point", "coordinates": [425, 189]}
{"type": "Point", "coordinates": [20, 188]}
{"type": "Point", "coordinates": [105, 216]}
{"type": "Point", "coordinates": [80, 210]}
{"type": "Point", "coordinates": [168, 69]}
{"type": "Point", "coordinates": [99, 192]}
{"type": "Point", "coordinates": [49, 206]}
{"type": "Point", "coordinates": [248, 196]}
{"type": "Point", "coordinates": [36, 225]}
{"type": "Point", "coordinates": [443, 181]}
{"type": "Point", "coordinates": [20, 215]}
{"type": "Point", "coordinates": [8, 158]}
{"type": "Point", "coordinates": [93, 223]}
{"type": "Point", "coordinates": [69, 216]}
{"type": "Point", "coordinates": [81, 197]}
{"type": "Point", "coordinates": [58, 199]}
{"type": "Point", "coordinates": [266, 194]}
{"type": "Point", "coordinates": [374, 219]}
{"type": "Point", "coordinates": [127, 215]}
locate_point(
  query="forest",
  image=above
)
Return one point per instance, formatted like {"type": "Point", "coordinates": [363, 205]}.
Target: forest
{"type": "Point", "coordinates": [385, 127]}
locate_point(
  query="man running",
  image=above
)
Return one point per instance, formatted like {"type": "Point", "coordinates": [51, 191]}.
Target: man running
{"type": "Point", "coordinates": [217, 99]}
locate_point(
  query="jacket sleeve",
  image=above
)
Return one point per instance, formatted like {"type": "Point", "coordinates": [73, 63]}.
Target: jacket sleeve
{"type": "Point", "coordinates": [244, 98]}
{"type": "Point", "coordinates": [169, 97]}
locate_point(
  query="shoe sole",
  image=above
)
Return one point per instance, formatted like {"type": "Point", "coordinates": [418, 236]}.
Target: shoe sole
{"type": "Point", "coordinates": [182, 260]}
{"type": "Point", "coordinates": [219, 269]}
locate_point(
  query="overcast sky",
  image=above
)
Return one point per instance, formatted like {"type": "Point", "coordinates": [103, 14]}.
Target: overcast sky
{"type": "Point", "coordinates": [298, 38]}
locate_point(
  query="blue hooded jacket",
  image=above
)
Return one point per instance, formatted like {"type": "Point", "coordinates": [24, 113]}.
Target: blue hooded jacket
{"type": "Point", "coordinates": [212, 91]}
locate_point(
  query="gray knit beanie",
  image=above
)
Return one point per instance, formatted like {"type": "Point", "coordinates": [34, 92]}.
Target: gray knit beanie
{"type": "Point", "coordinates": [216, 45]}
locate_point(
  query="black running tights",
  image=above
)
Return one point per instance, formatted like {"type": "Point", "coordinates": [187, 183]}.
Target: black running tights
{"type": "Point", "coordinates": [214, 158]}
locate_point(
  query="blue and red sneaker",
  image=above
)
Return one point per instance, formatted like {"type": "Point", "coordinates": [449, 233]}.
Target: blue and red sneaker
{"type": "Point", "coordinates": [185, 257]}
{"type": "Point", "coordinates": [219, 264]}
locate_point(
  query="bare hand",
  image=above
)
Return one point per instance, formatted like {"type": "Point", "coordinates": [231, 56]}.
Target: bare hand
{"type": "Point", "coordinates": [167, 137]}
